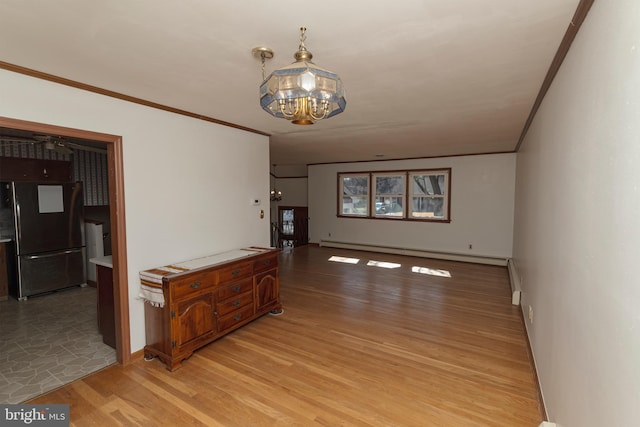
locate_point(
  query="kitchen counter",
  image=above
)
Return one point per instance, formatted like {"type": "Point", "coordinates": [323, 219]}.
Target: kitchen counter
{"type": "Point", "coordinates": [105, 261]}
{"type": "Point", "coordinates": [4, 270]}
{"type": "Point", "coordinates": [106, 301]}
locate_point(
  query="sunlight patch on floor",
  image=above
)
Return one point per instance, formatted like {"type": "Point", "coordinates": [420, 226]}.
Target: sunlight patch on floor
{"type": "Point", "coordinates": [344, 259]}
{"type": "Point", "coordinates": [430, 271]}
{"type": "Point", "coordinates": [384, 264]}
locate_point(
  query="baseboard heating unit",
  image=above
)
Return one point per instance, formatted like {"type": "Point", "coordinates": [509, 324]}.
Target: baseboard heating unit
{"type": "Point", "coordinates": [514, 278]}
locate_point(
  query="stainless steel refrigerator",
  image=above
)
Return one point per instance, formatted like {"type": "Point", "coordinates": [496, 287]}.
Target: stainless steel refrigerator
{"type": "Point", "coordinates": [49, 224]}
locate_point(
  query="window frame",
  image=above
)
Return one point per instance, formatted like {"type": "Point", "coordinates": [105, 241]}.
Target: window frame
{"type": "Point", "coordinates": [375, 195]}
{"type": "Point", "coordinates": [366, 195]}
{"type": "Point", "coordinates": [407, 197]}
{"type": "Point", "coordinates": [446, 196]}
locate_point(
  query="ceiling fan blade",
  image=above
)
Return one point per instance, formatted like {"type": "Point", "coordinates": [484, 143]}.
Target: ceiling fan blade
{"type": "Point", "coordinates": [62, 149]}
{"type": "Point", "coordinates": [86, 148]}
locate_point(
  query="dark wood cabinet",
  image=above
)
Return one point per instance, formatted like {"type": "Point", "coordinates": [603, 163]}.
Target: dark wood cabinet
{"type": "Point", "coordinates": [203, 304]}
{"type": "Point", "coordinates": [20, 169]}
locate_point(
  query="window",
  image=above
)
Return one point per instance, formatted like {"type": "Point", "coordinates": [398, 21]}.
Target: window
{"type": "Point", "coordinates": [389, 197]}
{"type": "Point", "coordinates": [354, 190]}
{"type": "Point", "coordinates": [429, 195]}
{"type": "Point", "coordinates": [414, 195]}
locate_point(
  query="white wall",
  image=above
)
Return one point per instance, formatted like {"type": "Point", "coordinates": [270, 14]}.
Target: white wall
{"type": "Point", "coordinates": [294, 191]}
{"type": "Point", "coordinates": [577, 225]}
{"type": "Point", "coordinates": [188, 183]}
{"type": "Point", "coordinates": [482, 198]}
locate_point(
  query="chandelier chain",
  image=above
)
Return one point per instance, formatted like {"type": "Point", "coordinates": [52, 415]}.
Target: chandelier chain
{"type": "Point", "coordinates": [263, 58]}
{"type": "Point", "coordinates": [303, 37]}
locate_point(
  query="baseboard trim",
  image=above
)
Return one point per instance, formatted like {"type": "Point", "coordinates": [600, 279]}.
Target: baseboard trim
{"type": "Point", "coordinates": [534, 371]}
{"type": "Point", "coordinates": [476, 259]}
{"type": "Point", "coordinates": [136, 355]}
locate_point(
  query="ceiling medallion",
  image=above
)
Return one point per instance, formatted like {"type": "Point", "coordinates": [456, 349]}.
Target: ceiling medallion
{"type": "Point", "coordinates": [301, 92]}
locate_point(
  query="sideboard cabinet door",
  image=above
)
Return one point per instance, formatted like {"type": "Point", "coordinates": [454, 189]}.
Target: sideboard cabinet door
{"type": "Point", "coordinates": [267, 290]}
{"type": "Point", "coordinates": [194, 318]}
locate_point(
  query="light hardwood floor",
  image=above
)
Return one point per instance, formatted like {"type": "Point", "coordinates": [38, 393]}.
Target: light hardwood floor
{"type": "Point", "coordinates": [357, 345]}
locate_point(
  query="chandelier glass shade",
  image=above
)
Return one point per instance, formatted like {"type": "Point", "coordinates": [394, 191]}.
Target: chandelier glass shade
{"type": "Point", "coordinates": [301, 92]}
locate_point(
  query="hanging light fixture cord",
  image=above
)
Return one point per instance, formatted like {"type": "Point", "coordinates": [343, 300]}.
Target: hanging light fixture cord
{"type": "Point", "coordinates": [303, 37]}
{"type": "Point", "coordinates": [263, 57]}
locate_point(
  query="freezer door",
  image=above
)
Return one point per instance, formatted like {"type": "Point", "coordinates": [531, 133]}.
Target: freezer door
{"type": "Point", "coordinates": [49, 217]}
{"type": "Point", "coordinates": [50, 271]}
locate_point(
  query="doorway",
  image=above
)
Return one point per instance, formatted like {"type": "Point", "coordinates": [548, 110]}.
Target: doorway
{"type": "Point", "coordinates": [293, 226]}
{"type": "Point", "coordinates": [117, 219]}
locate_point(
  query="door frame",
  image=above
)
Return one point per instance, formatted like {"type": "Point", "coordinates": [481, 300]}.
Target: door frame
{"type": "Point", "coordinates": [305, 211]}
{"type": "Point", "coordinates": [117, 216]}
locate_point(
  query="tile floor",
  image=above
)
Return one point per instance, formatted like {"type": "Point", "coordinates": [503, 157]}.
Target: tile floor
{"type": "Point", "coordinates": [48, 341]}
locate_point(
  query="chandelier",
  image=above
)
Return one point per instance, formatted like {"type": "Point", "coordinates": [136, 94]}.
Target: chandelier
{"type": "Point", "coordinates": [301, 92]}
{"type": "Point", "coordinates": [276, 195]}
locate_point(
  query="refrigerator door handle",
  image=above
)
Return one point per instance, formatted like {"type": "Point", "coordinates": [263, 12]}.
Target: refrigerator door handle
{"type": "Point", "coordinates": [69, 251]}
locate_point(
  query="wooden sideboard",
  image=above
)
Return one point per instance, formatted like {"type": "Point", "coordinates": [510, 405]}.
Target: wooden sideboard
{"type": "Point", "coordinates": [207, 298]}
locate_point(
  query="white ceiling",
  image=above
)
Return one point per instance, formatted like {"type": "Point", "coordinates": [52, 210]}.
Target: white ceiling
{"type": "Point", "coordinates": [423, 78]}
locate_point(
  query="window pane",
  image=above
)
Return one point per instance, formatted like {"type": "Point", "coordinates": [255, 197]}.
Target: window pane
{"type": "Point", "coordinates": [354, 205]}
{"type": "Point", "coordinates": [428, 184]}
{"type": "Point", "coordinates": [355, 195]}
{"type": "Point", "coordinates": [389, 185]}
{"type": "Point", "coordinates": [428, 207]}
{"type": "Point", "coordinates": [389, 206]}
{"type": "Point", "coordinates": [287, 221]}
{"type": "Point", "coordinates": [389, 196]}
{"type": "Point", "coordinates": [355, 185]}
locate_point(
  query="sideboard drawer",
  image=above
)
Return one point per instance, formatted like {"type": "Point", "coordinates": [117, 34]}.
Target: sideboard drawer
{"type": "Point", "coordinates": [235, 317]}
{"type": "Point", "coordinates": [231, 304]}
{"type": "Point", "coordinates": [235, 289]}
{"type": "Point", "coordinates": [265, 264]}
{"type": "Point", "coordinates": [239, 271]}
{"type": "Point", "coordinates": [193, 284]}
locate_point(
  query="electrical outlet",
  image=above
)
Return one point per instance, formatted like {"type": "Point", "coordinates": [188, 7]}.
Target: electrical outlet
{"type": "Point", "coordinates": [470, 246]}
{"type": "Point", "coordinates": [530, 314]}
{"type": "Point", "coordinates": [329, 234]}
